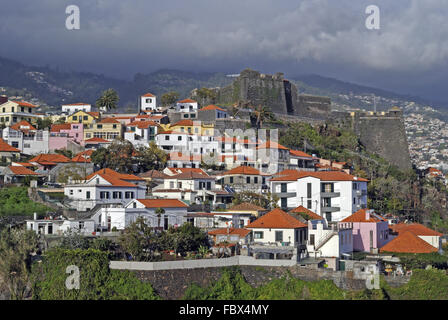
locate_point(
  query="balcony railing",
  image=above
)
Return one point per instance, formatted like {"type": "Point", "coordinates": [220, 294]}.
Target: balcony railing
{"type": "Point", "coordinates": [330, 194]}
{"type": "Point", "coordinates": [330, 209]}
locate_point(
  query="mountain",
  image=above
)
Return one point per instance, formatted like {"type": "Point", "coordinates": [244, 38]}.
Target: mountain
{"type": "Point", "coordinates": [357, 96]}
{"type": "Point", "coordinates": [53, 87]}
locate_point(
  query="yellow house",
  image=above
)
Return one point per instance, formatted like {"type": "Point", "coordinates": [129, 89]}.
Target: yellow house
{"type": "Point", "coordinates": [83, 117]}
{"type": "Point", "coordinates": [12, 112]}
{"type": "Point", "coordinates": [194, 127]}
{"type": "Point", "coordinates": [108, 129]}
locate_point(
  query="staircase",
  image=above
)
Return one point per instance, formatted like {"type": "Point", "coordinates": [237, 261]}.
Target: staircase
{"type": "Point", "coordinates": [325, 240]}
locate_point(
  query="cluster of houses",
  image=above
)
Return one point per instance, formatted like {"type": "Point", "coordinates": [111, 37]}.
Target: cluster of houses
{"type": "Point", "coordinates": [318, 209]}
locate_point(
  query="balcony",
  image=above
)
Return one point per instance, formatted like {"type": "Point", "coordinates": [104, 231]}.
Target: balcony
{"type": "Point", "coordinates": [330, 194]}
{"type": "Point", "coordinates": [361, 193]}
{"type": "Point", "coordinates": [330, 209]}
{"type": "Point", "coordinates": [286, 194]}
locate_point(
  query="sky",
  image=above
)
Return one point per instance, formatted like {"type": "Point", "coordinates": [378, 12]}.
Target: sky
{"type": "Point", "coordinates": [408, 54]}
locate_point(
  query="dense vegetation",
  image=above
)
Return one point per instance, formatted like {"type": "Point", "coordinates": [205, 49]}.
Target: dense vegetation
{"type": "Point", "coordinates": [14, 201]}
{"type": "Point", "coordinates": [423, 285]}
{"type": "Point", "coordinates": [390, 190]}
{"type": "Point", "coordinates": [96, 280]}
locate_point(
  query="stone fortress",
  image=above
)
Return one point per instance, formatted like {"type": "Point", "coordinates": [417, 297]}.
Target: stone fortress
{"type": "Point", "coordinates": [382, 133]}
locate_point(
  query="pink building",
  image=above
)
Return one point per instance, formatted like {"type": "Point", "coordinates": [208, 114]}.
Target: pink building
{"type": "Point", "coordinates": [63, 134]}
{"type": "Point", "coordinates": [370, 230]}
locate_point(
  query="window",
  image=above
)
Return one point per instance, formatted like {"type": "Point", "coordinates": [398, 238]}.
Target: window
{"type": "Point", "coordinates": [167, 138]}
{"type": "Point", "coordinates": [179, 138]}
{"type": "Point", "coordinates": [312, 239]}
{"type": "Point", "coordinates": [75, 117]}
{"type": "Point", "coordinates": [15, 144]}
{"type": "Point", "coordinates": [258, 235]}
{"type": "Point", "coordinates": [99, 126]}
{"type": "Point", "coordinates": [81, 225]}
{"type": "Point", "coordinates": [255, 179]}
{"type": "Point", "coordinates": [308, 190]}
{"type": "Point", "coordinates": [284, 203]}
{"type": "Point", "coordinates": [283, 187]}
{"type": "Point", "coordinates": [278, 236]}
{"type": "Point", "coordinates": [71, 192]}
{"type": "Point", "coordinates": [179, 185]}
{"type": "Point", "coordinates": [247, 179]}
{"type": "Point", "coordinates": [231, 179]}
{"type": "Point", "coordinates": [309, 204]}
{"type": "Point", "coordinates": [88, 195]}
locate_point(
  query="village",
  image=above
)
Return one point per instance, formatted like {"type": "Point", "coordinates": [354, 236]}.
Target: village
{"type": "Point", "coordinates": [252, 196]}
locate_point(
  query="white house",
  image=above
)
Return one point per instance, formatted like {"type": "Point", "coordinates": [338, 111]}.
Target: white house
{"type": "Point", "coordinates": [141, 133]}
{"type": "Point", "coordinates": [173, 214]}
{"type": "Point", "coordinates": [105, 187]}
{"type": "Point", "coordinates": [27, 138]}
{"type": "Point", "coordinates": [60, 226]}
{"type": "Point", "coordinates": [186, 105]}
{"type": "Point", "coordinates": [328, 241]}
{"type": "Point", "coordinates": [75, 107]}
{"type": "Point", "coordinates": [334, 195]}
{"type": "Point", "coordinates": [148, 102]}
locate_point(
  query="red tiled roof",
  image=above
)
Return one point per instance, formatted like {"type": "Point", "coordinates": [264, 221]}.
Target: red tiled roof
{"type": "Point", "coordinates": [299, 153]}
{"type": "Point", "coordinates": [408, 242]}
{"type": "Point", "coordinates": [152, 174]}
{"type": "Point", "coordinates": [148, 95]}
{"type": "Point", "coordinates": [4, 147]}
{"type": "Point", "coordinates": [162, 203]}
{"type": "Point", "coordinates": [246, 170]}
{"type": "Point", "coordinates": [142, 124]}
{"type": "Point", "coordinates": [96, 140]}
{"type": "Point", "coordinates": [292, 175]}
{"type": "Point", "coordinates": [59, 127]}
{"type": "Point", "coordinates": [360, 216]}
{"type": "Point", "coordinates": [23, 123]}
{"type": "Point", "coordinates": [277, 219]}
{"type": "Point", "coordinates": [312, 215]}
{"type": "Point", "coordinates": [182, 170]}
{"type": "Point", "coordinates": [94, 114]}
{"type": "Point", "coordinates": [186, 101]}
{"type": "Point", "coordinates": [22, 171]}
{"type": "Point", "coordinates": [183, 122]}
{"type": "Point", "coordinates": [50, 158]}
{"type": "Point", "coordinates": [231, 231]}
{"type": "Point", "coordinates": [25, 104]}
{"type": "Point", "coordinates": [416, 228]}
{"type": "Point", "coordinates": [110, 172]}
{"type": "Point", "coordinates": [246, 206]}
{"type": "Point", "coordinates": [272, 145]}
{"type": "Point", "coordinates": [109, 120]}
{"type": "Point", "coordinates": [81, 158]}
{"type": "Point", "coordinates": [212, 107]}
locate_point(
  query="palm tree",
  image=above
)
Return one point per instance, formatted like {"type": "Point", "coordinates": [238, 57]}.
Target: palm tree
{"type": "Point", "coordinates": [261, 114]}
{"type": "Point", "coordinates": [159, 212]}
{"type": "Point", "coordinates": [108, 100]}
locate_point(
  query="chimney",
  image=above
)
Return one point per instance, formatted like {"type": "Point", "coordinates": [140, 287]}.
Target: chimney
{"type": "Point", "coordinates": [3, 99]}
{"type": "Point", "coordinates": [35, 216]}
{"type": "Point", "coordinates": [367, 214]}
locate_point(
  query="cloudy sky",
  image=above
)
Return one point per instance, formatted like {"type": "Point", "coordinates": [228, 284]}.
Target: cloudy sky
{"type": "Point", "coordinates": [408, 54]}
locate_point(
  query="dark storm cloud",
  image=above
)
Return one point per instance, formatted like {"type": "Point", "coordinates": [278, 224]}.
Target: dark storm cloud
{"type": "Point", "coordinates": [314, 36]}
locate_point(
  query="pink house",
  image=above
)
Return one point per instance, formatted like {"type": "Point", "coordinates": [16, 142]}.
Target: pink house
{"type": "Point", "coordinates": [370, 230]}
{"type": "Point", "coordinates": [62, 134]}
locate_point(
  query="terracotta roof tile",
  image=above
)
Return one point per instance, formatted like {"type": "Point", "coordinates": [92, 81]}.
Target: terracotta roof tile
{"type": "Point", "coordinates": [162, 203]}
{"type": "Point", "coordinates": [23, 125]}
{"type": "Point", "coordinates": [246, 206]}
{"type": "Point", "coordinates": [50, 158]}
{"type": "Point", "coordinates": [361, 216]}
{"type": "Point", "coordinates": [408, 242]}
{"type": "Point", "coordinates": [276, 219]}
{"type": "Point", "coordinates": [292, 175]}
{"type": "Point", "coordinates": [416, 228]}
{"type": "Point", "coordinates": [299, 153]}
{"type": "Point", "coordinates": [4, 147]}
{"type": "Point", "coordinates": [186, 101]}
{"type": "Point", "coordinates": [312, 215]}
{"type": "Point", "coordinates": [231, 231]}
{"type": "Point", "coordinates": [212, 107]}
{"type": "Point", "coordinates": [272, 145]}
{"type": "Point", "coordinates": [246, 170]}
{"type": "Point", "coordinates": [22, 171]}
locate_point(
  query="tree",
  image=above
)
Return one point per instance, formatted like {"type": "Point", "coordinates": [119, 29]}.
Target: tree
{"type": "Point", "coordinates": [16, 247]}
{"type": "Point", "coordinates": [139, 240]}
{"type": "Point", "coordinates": [206, 95]}
{"type": "Point", "coordinates": [159, 212]}
{"type": "Point", "coordinates": [261, 113]}
{"type": "Point", "coordinates": [119, 156]}
{"type": "Point", "coordinates": [65, 152]}
{"type": "Point", "coordinates": [169, 98]}
{"type": "Point", "coordinates": [149, 158]}
{"type": "Point", "coordinates": [108, 100]}
{"type": "Point", "coordinates": [44, 123]}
